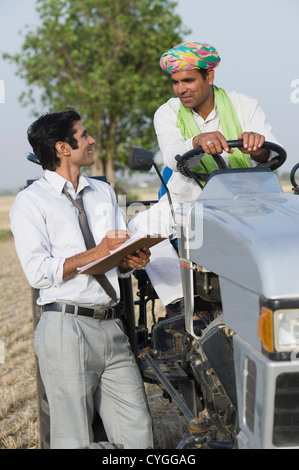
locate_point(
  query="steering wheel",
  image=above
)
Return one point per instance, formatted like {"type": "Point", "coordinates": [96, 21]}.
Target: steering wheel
{"type": "Point", "coordinates": [292, 175]}
{"type": "Point", "coordinates": [192, 158]}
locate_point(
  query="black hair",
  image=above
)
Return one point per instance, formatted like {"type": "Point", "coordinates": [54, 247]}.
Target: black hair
{"type": "Point", "coordinates": [203, 73]}
{"type": "Point", "coordinates": [47, 130]}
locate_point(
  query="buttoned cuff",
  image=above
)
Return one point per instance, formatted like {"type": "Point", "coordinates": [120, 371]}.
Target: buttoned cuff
{"type": "Point", "coordinates": [124, 275]}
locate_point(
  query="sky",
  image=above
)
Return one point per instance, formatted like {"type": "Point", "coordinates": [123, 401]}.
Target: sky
{"type": "Point", "coordinates": [258, 42]}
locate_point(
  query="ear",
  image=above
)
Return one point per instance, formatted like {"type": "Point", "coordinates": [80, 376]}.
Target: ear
{"type": "Point", "coordinates": [211, 76]}
{"type": "Point", "coordinates": [63, 148]}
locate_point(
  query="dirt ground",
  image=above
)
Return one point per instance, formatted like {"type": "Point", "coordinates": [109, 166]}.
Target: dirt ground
{"type": "Point", "coordinates": [18, 410]}
{"type": "Point", "coordinates": [18, 397]}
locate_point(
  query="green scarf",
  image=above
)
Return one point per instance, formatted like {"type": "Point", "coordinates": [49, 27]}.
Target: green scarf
{"type": "Point", "coordinates": [231, 128]}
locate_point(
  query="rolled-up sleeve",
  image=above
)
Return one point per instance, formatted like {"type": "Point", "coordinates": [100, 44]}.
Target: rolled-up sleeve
{"type": "Point", "coordinates": [33, 246]}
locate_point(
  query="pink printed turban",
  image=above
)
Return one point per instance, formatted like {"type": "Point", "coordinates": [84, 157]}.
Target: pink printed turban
{"type": "Point", "coordinates": [188, 56]}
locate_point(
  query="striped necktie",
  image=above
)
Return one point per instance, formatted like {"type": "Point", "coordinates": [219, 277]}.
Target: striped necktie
{"type": "Point", "coordinates": [90, 243]}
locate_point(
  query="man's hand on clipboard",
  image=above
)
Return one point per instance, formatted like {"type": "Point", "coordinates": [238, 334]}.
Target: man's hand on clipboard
{"type": "Point", "coordinates": [123, 250]}
{"type": "Point", "coordinates": [136, 261]}
{"type": "Point", "coordinates": [114, 239]}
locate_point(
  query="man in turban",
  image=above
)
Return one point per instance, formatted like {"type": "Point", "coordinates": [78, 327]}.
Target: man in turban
{"type": "Point", "coordinates": [201, 115]}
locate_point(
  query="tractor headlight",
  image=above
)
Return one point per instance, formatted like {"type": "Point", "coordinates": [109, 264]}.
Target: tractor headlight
{"type": "Point", "coordinates": [278, 327]}
{"type": "Point", "coordinates": [286, 330]}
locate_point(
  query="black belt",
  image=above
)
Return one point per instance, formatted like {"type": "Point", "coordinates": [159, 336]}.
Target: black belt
{"type": "Point", "coordinates": [101, 313]}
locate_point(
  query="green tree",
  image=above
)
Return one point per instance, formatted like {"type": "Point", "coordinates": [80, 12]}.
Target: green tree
{"type": "Point", "coordinates": [101, 57]}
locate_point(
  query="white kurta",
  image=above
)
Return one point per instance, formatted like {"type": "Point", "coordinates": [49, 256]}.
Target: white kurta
{"type": "Point", "coordinates": [172, 142]}
{"type": "Point", "coordinates": [164, 267]}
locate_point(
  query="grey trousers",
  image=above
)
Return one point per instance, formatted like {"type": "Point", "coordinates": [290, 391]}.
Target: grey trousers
{"type": "Point", "coordinates": [87, 364]}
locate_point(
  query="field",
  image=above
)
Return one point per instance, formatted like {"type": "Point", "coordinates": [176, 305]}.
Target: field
{"type": "Point", "coordinates": [18, 410]}
{"type": "Point", "coordinates": [18, 397]}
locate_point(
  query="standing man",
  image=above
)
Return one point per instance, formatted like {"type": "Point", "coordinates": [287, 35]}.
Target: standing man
{"type": "Point", "coordinates": [200, 115]}
{"type": "Point", "coordinates": [84, 355]}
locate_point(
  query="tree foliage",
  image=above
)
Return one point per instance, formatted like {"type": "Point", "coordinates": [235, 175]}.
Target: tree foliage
{"type": "Point", "coordinates": [101, 57]}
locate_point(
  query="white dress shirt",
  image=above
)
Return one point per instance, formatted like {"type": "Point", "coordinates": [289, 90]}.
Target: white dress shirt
{"type": "Point", "coordinates": [172, 142]}
{"type": "Point", "coordinates": [46, 232]}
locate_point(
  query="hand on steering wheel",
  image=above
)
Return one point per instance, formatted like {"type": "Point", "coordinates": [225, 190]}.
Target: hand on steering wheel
{"type": "Point", "coordinates": [212, 143]}
{"type": "Point", "coordinates": [252, 145]}
{"type": "Point", "coordinates": [185, 161]}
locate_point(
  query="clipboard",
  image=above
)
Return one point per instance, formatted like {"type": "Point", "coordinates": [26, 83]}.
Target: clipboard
{"type": "Point", "coordinates": [101, 266]}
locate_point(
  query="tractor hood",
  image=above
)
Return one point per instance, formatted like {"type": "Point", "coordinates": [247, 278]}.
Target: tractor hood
{"type": "Point", "coordinates": [250, 232]}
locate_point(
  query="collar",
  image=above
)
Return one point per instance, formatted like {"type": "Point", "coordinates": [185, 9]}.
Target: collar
{"type": "Point", "coordinates": [59, 183]}
{"type": "Point", "coordinates": [210, 117]}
